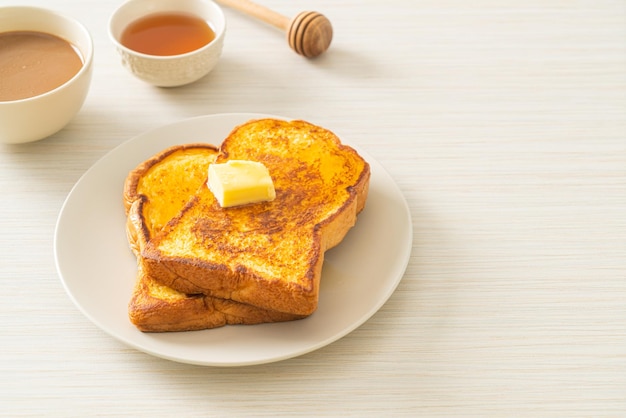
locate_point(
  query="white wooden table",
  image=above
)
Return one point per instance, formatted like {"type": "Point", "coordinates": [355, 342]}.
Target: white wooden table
{"type": "Point", "coordinates": [504, 125]}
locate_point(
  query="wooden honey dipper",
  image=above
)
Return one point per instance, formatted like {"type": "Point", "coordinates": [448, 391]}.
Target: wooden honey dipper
{"type": "Point", "coordinates": [309, 33]}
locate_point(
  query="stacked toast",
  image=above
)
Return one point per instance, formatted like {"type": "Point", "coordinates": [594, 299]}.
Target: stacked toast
{"type": "Point", "coordinates": [202, 266]}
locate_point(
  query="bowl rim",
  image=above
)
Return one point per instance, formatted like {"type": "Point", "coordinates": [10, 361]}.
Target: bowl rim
{"type": "Point", "coordinates": [87, 58]}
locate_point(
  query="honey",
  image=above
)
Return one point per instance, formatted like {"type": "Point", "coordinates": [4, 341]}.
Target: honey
{"type": "Point", "coordinates": [167, 34]}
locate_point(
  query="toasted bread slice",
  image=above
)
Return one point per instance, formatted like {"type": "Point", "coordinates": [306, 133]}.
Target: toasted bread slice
{"type": "Point", "coordinates": [157, 308]}
{"type": "Point", "coordinates": [160, 186]}
{"type": "Point", "coordinates": [154, 193]}
{"type": "Point", "coordinates": [266, 254]}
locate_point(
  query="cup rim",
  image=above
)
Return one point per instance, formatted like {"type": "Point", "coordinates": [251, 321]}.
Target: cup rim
{"type": "Point", "coordinates": [87, 58]}
{"type": "Point", "coordinates": [219, 35]}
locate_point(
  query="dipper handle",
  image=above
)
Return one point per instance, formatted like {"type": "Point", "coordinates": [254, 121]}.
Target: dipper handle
{"type": "Point", "coordinates": [309, 33]}
{"type": "Point", "coordinates": [257, 11]}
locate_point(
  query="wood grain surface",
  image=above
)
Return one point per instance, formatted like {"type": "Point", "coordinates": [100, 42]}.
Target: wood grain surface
{"type": "Point", "coordinates": [504, 125]}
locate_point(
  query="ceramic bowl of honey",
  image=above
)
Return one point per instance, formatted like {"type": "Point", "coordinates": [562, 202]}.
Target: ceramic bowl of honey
{"type": "Point", "coordinates": [45, 72]}
{"type": "Point", "coordinates": [168, 43]}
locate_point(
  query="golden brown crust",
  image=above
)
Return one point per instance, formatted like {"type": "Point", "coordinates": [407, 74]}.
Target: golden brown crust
{"type": "Point", "coordinates": [154, 192]}
{"type": "Point", "coordinates": [153, 310]}
{"type": "Point", "coordinates": [270, 254]}
{"type": "Point", "coordinates": [136, 199]}
{"type": "Point", "coordinates": [130, 191]}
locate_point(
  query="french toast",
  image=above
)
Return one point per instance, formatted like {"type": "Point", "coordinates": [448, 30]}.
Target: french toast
{"type": "Point", "coordinates": [154, 192]}
{"type": "Point", "coordinates": [267, 254]}
{"type": "Point", "coordinates": [160, 186]}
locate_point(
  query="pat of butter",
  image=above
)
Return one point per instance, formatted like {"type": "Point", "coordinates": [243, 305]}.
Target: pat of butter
{"type": "Point", "coordinates": [239, 182]}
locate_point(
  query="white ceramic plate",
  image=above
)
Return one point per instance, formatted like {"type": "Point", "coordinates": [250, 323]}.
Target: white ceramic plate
{"type": "Point", "coordinates": [98, 269]}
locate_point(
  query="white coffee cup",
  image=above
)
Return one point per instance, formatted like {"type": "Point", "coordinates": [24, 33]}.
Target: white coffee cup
{"type": "Point", "coordinates": [37, 117]}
